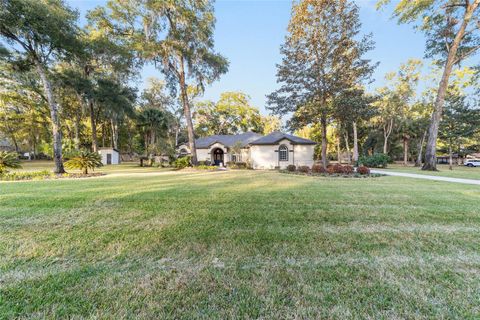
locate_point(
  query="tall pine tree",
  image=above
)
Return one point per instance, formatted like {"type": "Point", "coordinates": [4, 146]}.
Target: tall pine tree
{"type": "Point", "coordinates": [323, 56]}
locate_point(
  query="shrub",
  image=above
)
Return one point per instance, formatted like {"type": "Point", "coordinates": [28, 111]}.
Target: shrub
{"type": "Point", "coordinates": [363, 170]}
{"type": "Point", "coordinates": [331, 169]}
{"type": "Point", "coordinates": [291, 168]}
{"type": "Point", "coordinates": [337, 168]}
{"type": "Point", "coordinates": [182, 162]}
{"type": "Point", "coordinates": [8, 160]}
{"type": "Point", "coordinates": [304, 169]}
{"type": "Point", "coordinates": [230, 164]}
{"type": "Point", "coordinates": [241, 165]}
{"type": "Point", "coordinates": [318, 168]}
{"type": "Point", "coordinates": [378, 160]}
{"type": "Point", "coordinates": [30, 175]}
{"type": "Point", "coordinates": [347, 169]}
{"type": "Point", "coordinates": [205, 167]}
{"type": "Point", "coordinates": [84, 161]}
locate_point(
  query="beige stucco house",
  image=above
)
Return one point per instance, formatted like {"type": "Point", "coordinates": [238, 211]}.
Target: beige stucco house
{"type": "Point", "coordinates": [276, 150]}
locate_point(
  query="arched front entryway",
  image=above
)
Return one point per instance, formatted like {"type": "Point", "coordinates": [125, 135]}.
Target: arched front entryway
{"type": "Point", "coordinates": [217, 155]}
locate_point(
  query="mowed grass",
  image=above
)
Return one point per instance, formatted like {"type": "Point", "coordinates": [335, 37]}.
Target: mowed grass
{"type": "Point", "coordinates": [239, 244]}
{"type": "Point", "coordinates": [443, 171]}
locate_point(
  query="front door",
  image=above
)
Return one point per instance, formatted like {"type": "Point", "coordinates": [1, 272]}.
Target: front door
{"type": "Point", "coordinates": [109, 158]}
{"type": "Point", "coordinates": [218, 156]}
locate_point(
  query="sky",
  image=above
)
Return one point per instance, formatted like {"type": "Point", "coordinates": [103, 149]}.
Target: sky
{"type": "Point", "coordinates": [249, 34]}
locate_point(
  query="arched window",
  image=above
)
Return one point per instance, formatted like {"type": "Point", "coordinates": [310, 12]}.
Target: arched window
{"type": "Point", "coordinates": [283, 153]}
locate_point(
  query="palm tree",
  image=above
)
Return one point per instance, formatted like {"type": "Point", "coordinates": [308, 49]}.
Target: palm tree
{"type": "Point", "coordinates": [84, 161]}
{"type": "Point", "coordinates": [8, 160]}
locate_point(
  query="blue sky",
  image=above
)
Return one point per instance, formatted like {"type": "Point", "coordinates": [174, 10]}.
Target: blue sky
{"type": "Point", "coordinates": [249, 33]}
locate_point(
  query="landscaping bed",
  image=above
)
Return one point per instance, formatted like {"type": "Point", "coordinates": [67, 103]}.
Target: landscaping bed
{"type": "Point", "coordinates": [336, 170]}
{"type": "Point", "coordinates": [44, 175]}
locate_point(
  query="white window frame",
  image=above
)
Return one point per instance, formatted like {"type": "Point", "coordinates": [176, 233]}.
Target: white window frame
{"type": "Point", "coordinates": [283, 153]}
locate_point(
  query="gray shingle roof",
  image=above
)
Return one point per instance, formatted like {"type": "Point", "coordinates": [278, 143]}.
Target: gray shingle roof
{"type": "Point", "coordinates": [251, 138]}
{"type": "Point", "coordinates": [4, 142]}
{"type": "Point", "coordinates": [275, 137]}
{"type": "Point", "coordinates": [227, 140]}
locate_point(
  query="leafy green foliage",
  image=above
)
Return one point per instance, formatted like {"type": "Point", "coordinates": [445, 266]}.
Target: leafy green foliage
{"type": "Point", "coordinates": [205, 167]}
{"type": "Point", "coordinates": [8, 160]}
{"type": "Point", "coordinates": [377, 160]}
{"type": "Point", "coordinates": [84, 161]}
{"type": "Point", "coordinates": [323, 55]}
{"type": "Point", "coordinates": [182, 162]}
{"type": "Point", "coordinates": [27, 175]}
{"type": "Point", "coordinates": [232, 114]}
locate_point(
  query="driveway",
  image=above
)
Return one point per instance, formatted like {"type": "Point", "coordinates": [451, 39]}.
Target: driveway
{"type": "Point", "coordinates": [426, 177]}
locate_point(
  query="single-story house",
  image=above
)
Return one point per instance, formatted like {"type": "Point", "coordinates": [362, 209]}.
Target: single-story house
{"type": "Point", "coordinates": [5, 145]}
{"type": "Point", "coordinates": [109, 155]}
{"type": "Point", "coordinates": [275, 150]}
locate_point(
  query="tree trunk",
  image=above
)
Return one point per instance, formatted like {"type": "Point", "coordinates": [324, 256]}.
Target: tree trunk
{"type": "Point", "coordinates": [187, 112]}
{"type": "Point", "coordinates": [104, 133]}
{"type": "Point", "coordinates": [93, 124]}
{"type": "Point", "coordinates": [323, 122]}
{"type": "Point", "coordinates": [77, 133]}
{"type": "Point", "coordinates": [355, 142]}
{"type": "Point", "coordinates": [57, 134]}
{"type": "Point", "coordinates": [347, 147]}
{"type": "Point", "coordinates": [431, 150]}
{"type": "Point", "coordinates": [419, 161]}
{"type": "Point", "coordinates": [339, 152]}
{"type": "Point", "coordinates": [405, 150]}
{"type": "Point", "coordinates": [450, 156]}
{"type": "Point", "coordinates": [387, 130]}
{"type": "Point", "coordinates": [114, 134]}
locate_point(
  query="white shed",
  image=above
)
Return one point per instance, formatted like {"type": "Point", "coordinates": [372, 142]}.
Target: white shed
{"type": "Point", "coordinates": [109, 155]}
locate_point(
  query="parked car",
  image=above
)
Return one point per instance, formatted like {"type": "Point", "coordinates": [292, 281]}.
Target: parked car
{"type": "Point", "coordinates": [472, 163]}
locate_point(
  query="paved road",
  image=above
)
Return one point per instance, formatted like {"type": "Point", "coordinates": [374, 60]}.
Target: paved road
{"type": "Point", "coordinates": [427, 177]}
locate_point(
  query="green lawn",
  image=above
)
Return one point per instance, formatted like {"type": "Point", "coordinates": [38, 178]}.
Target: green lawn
{"type": "Point", "coordinates": [239, 244]}
{"type": "Point", "coordinates": [457, 172]}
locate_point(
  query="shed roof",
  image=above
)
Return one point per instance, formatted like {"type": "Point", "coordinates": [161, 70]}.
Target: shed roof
{"type": "Point", "coordinates": [108, 148]}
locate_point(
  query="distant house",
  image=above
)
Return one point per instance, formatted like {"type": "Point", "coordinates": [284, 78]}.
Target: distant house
{"type": "Point", "coordinates": [109, 155]}
{"type": "Point", "coordinates": [5, 144]}
{"type": "Point", "coordinates": [276, 150]}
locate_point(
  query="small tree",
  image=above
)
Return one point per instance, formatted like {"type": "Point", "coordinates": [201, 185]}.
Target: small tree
{"type": "Point", "coordinates": [459, 123]}
{"type": "Point", "coordinates": [8, 160]}
{"type": "Point", "coordinates": [84, 161]}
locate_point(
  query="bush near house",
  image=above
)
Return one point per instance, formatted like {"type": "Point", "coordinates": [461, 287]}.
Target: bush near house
{"type": "Point", "coordinates": [318, 168]}
{"type": "Point", "coordinates": [237, 165]}
{"type": "Point", "coordinates": [347, 169]}
{"type": "Point", "coordinates": [378, 160]}
{"type": "Point", "coordinates": [205, 167]}
{"type": "Point", "coordinates": [291, 168]}
{"type": "Point", "coordinates": [334, 170]}
{"type": "Point", "coordinates": [363, 170]}
{"type": "Point", "coordinates": [182, 162]}
{"type": "Point", "coordinates": [304, 169]}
